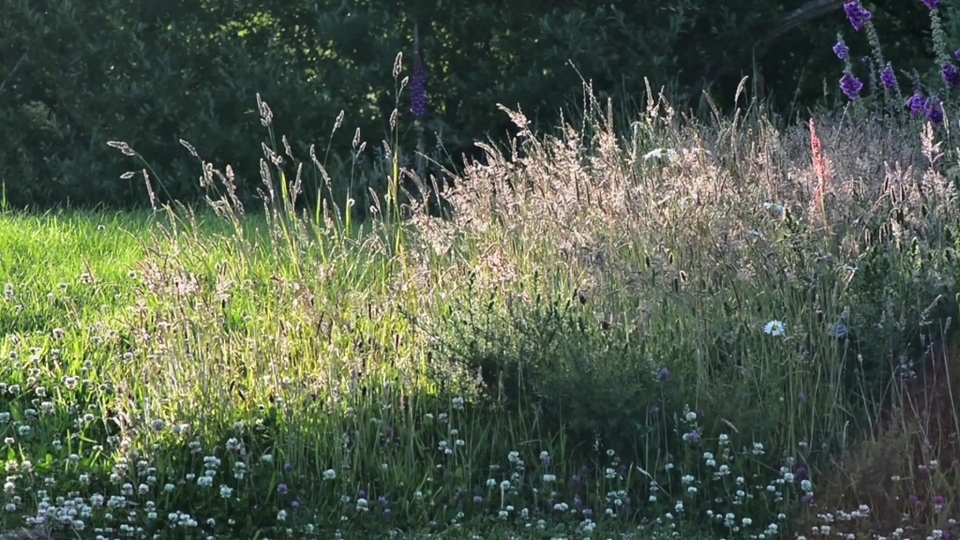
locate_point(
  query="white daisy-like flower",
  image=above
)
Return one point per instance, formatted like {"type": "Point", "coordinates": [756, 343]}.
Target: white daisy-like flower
{"type": "Point", "coordinates": [775, 328]}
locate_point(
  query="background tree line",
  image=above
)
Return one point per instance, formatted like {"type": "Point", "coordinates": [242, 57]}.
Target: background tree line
{"type": "Point", "coordinates": [74, 75]}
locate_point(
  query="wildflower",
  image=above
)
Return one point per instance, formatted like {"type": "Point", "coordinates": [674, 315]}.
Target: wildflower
{"type": "Point", "coordinates": [951, 77]}
{"type": "Point", "coordinates": [841, 50]}
{"type": "Point", "coordinates": [887, 77]}
{"type": "Point", "coordinates": [418, 85]}
{"type": "Point", "coordinates": [850, 86]}
{"type": "Point", "coordinates": [664, 374]}
{"type": "Point", "coordinates": [933, 110]}
{"type": "Point", "coordinates": [856, 14]}
{"type": "Point", "coordinates": [692, 437]}
{"type": "Point", "coordinates": [775, 328]}
{"type": "Point", "coordinates": [282, 489]}
{"type": "Point", "coordinates": [939, 502]}
{"type": "Point", "coordinates": [915, 103]}
{"type": "Point", "coordinates": [932, 4]}
{"type": "Point", "coordinates": [477, 499]}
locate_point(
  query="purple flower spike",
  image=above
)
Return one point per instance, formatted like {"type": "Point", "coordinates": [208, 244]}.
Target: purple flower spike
{"type": "Point", "coordinates": [850, 86]}
{"type": "Point", "coordinates": [856, 14]}
{"type": "Point", "coordinates": [932, 4]}
{"type": "Point", "coordinates": [418, 85]}
{"type": "Point", "coordinates": [841, 50]}
{"type": "Point", "coordinates": [888, 78]}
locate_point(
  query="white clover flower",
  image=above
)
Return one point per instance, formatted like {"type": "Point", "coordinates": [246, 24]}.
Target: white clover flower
{"type": "Point", "coordinates": [329, 474]}
{"type": "Point", "coordinates": [691, 416]}
{"type": "Point", "coordinates": [505, 485]}
{"type": "Point", "coordinates": [548, 478]}
{"type": "Point", "coordinates": [458, 403]}
{"type": "Point", "coordinates": [491, 483]}
{"type": "Point", "coordinates": [225, 492]}
{"type": "Point", "coordinates": [775, 328]}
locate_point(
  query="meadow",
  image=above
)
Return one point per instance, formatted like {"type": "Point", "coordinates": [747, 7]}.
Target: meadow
{"type": "Point", "coordinates": [666, 329]}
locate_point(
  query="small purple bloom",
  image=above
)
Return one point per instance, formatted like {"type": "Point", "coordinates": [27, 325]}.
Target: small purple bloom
{"type": "Point", "coordinates": [664, 374]}
{"type": "Point", "coordinates": [388, 432]}
{"type": "Point", "coordinates": [801, 473]}
{"type": "Point", "coordinates": [587, 512]}
{"type": "Point", "coordinates": [287, 467]}
{"type": "Point", "coordinates": [692, 437]}
{"type": "Point", "coordinates": [387, 512]}
{"type": "Point", "coordinates": [841, 50]}
{"type": "Point", "coordinates": [850, 86]}
{"type": "Point", "coordinates": [546, 460]}
{"type": "Point", "coordinates": [956, 54]}
{"type": "Point", "coordinates": [654, 410]}
{"type": "Point", "coordinates": [955, 464]}
{"type": "Point", "coordinates": [577, 501]}
{"type": "Point", "coordinates": [915, 103]}
{"type": "Point", "coordinates": [939, 502]}
{"type": "Point", "coordinates": [887, 77]}
{"type": "Point", "coordinates": [915, 501]}
{"type": "Point", "coordinates": [934, 111]}
{"type": "Point", "coordinates": [577, 480]}
{"type": "Point", "coordinates": [950, 75]}
{"type": "Point", "coordinates": [477, 499]}
{"type": "Point", "coordinates": [362, 494]}
{"type": "Point", "coordinates": [382, 500]}
{"type": "Point", "coordinates": [295, 504]}
{"type": "Point", "coordinates": [932, 4]}
{"type": "Point", "coordinates": [856, 14]}
{"type": "Point", "coordinates": [282, 489]}
{"type": "Point", "coordinates": [807, 499]}
{"type": "Point", "coordinates": [802, 397]}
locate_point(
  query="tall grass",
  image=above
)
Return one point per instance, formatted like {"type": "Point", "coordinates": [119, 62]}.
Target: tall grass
{"type": "Point", "coordinates": [670, 327]}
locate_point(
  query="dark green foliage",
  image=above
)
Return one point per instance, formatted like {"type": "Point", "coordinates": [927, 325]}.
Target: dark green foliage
{"type": "Point", "coordinates": [75, 75]}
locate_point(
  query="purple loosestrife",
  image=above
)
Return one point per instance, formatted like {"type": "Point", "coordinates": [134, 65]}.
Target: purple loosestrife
{"type": "Point", "coordinates": [850, 86]}
{"type": "Point", "coordinates": [418, 85]}
{"type": "Point", "coordinates": [841, 50]}
{"type": "Point", "coordinates": [888, 78]}
{"type": "Point", "coordinates": [856, 14]}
